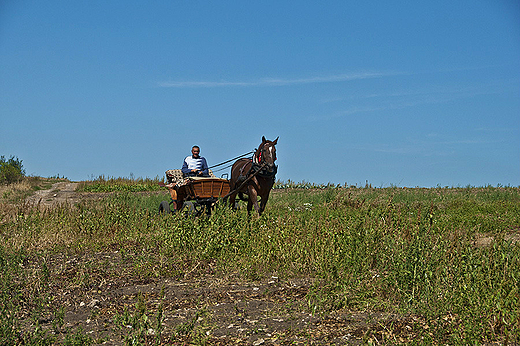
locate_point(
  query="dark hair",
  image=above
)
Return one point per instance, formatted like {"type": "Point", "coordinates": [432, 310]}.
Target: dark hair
{"type": "Point", "coordinates": [195, 146]}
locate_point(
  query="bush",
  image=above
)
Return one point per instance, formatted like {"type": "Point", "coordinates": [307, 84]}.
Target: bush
{"type": "Point", "coordinates": [11, 170]}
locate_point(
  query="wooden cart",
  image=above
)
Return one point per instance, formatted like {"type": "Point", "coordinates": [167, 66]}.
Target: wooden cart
{"type": "Point", "coordinates": [193, 195]}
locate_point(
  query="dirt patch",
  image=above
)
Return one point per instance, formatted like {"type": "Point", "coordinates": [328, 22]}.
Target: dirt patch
{"type": "Point", "coordinates": [482, 240]}
{"type": "Point", "coordinates": [61, 192]}
{"type": "Point", "coordinates": [198, 306]}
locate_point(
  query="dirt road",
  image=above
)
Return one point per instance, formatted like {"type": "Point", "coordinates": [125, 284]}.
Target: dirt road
{"type": "Point", "coordinates": [62, 192]}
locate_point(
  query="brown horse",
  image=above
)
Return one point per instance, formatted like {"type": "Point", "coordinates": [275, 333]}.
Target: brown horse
{"type": "Point", "coordinates": [255, 177]}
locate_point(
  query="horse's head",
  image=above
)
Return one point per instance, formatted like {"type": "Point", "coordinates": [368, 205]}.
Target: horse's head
{"type": "Point", "coordinates": [266, 153]}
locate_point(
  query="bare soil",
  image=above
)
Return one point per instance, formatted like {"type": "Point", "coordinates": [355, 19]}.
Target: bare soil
{"type": "Point", "coordinates": [199, 305]}
{"type": "Point", "coordinates": [202, 306]}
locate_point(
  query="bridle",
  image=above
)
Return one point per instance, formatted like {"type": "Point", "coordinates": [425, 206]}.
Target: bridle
{"type": "Point", "coordinates": [260, 162]}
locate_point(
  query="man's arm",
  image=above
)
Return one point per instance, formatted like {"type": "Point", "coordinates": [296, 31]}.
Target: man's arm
{"type": "Point", "coordinates": [185, 169]}
{"type": "Point", "coordinates": [205, 169]}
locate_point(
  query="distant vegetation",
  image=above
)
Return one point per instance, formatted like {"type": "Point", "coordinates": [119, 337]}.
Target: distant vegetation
{"type": "Point", "coordinates": [110, 184]}
{"type": "Point", "coordinates": [11, 171]}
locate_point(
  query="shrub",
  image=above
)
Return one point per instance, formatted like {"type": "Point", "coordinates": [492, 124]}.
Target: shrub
{"type": "Point", "coordinates": [11, 170]}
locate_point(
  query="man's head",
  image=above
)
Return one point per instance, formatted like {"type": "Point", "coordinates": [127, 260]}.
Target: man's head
{"type": "Point", "coordinates": [195, 151]}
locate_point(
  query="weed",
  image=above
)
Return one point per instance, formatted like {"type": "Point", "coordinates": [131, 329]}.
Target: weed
{"type": "Point", "coordinates": [79, 338]}
{"type": "Point", "coordinates": [59, 320]}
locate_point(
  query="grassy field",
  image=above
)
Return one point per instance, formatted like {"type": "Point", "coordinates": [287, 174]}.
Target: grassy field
{"type": "Point", "coordinates": [443, 262]}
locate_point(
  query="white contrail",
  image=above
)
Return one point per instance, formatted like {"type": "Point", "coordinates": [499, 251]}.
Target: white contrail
{"type": "Point", "coordinates": [274, 81]}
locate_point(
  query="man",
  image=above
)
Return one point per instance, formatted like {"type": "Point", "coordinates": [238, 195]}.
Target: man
{"type": "Point", "coordinates": [195, 165]}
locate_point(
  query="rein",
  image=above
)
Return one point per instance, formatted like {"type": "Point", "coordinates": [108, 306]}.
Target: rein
{"type": "Point", "coordinates": [238, 157]}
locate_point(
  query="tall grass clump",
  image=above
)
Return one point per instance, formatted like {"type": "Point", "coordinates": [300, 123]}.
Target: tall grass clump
{"type": "Point", "coordinates": [289, 184]}
{"type": "Point", "coordinates": [14, 295]}
{"type": "Point", "coordinates": [415, 250]}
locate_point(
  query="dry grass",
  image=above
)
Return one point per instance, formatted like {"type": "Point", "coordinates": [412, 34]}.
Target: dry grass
{"type": "Point", "coordinates": [7, 192]}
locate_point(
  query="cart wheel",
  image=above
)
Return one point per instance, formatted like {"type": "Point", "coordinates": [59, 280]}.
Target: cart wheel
{"type": "Point", "coordinates": [188, 209]}
{"type": "Point", "coordinates": [164, 208]}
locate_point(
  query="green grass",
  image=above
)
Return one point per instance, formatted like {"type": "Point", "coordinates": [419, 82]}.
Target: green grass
{"type": "Point", "coordinates": [111, 184]}
{"type": "Point", "coordinates": [398, 250]}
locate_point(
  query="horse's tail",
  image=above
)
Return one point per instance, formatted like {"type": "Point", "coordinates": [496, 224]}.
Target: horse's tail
{"type": "Point", "coordinates": [239, 173]}
{"type": "Point", "coordinates": [240, 180]}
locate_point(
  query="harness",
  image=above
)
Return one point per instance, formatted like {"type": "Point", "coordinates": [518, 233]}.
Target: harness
{"type": "Point", "coordinates": [263, 170]}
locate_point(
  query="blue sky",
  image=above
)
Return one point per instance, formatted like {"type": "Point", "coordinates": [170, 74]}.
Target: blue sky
{"type": "Point", "coordinates": [406, 93]}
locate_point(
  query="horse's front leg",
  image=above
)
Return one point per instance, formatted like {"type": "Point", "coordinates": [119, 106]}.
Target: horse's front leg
{"type": "Point", "coordinates": [263, 201]}
{"type": "Point", "coordinates": [249, 206]}
{"type": "Point", "coordinates": [253, 200]}
{"type": "Point", "coordinates": [232, 200]}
